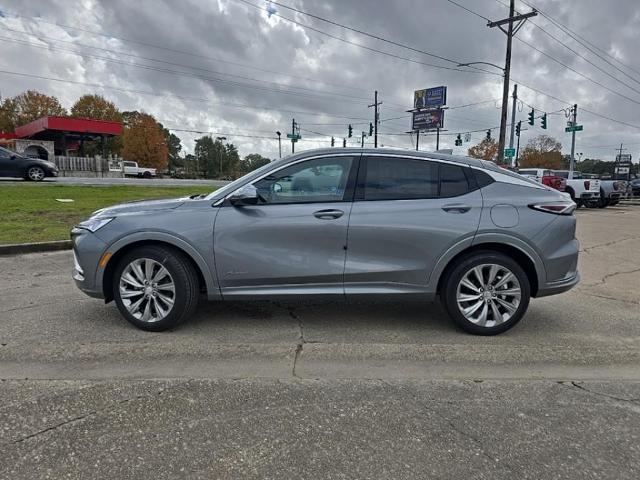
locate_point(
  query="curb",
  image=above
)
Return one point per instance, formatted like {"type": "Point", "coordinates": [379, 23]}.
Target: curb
{"type": "Point", "coordinates": [18, 248]}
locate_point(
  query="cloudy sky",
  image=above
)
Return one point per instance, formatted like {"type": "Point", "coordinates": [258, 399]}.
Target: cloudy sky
{"type": "Point", "coordinates": [230, 68]}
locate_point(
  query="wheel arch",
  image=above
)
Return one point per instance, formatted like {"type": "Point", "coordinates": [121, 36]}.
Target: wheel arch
{"type": "Point", "coordinates": [123, 246]}
{"type": "Point", "coordinates": [524, 259]}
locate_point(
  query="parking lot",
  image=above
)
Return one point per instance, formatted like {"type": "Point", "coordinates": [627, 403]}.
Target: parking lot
{"type": "Point", "coordinates": [332, 390]}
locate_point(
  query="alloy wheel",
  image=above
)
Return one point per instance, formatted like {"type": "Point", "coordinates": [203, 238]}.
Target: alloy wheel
{"type": "Point", "coordinates": [36, 174]}
{"type": "Point", "coordinates": [147, 290]}
{"type": "Point", "coordinates": [488, 295]}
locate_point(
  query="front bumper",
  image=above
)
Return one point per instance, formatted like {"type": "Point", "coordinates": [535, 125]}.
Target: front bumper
{"type": "Point", "coordinates": [87, 251]}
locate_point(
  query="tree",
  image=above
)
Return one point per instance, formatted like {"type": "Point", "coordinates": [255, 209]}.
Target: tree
{"type": "Point", "coordinates": [542, 151]}
{"type": "Point", "coordinates": [487, 149]}
{"type": "Point", "coordinates": [144, 141]}
{"type": "Point", "coordinates": [253, 161]}
{"type": "Point", "coordinates": [216, 160]}
{"type": "Point", "coordinates": [27, 107]}
{"type": "Point", "coordinates": [98, 108]}
{"type": "Point", "coordinates": [174, 147]}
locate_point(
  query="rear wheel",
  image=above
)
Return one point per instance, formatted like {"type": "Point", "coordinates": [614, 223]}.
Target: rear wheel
{"type": "Point", "coordinates": [486, 293]}
{"type": "Point", "coordinates": [155, 288]}
{"type": "Point", "coordinates": [146, 174]}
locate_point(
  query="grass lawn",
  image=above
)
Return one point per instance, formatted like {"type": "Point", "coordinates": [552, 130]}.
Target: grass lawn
{"type": "Point", "coordinates": [30, 213]}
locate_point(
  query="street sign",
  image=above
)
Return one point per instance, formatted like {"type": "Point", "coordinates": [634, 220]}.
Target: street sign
{"type": "Point", "coordinates": [427, 120]}
{"type": "Point", "coordinates": [574, 128]}
{"type": "Point", "coordinates": [430, 97]}
{"type": "Point", "coordinates": [510, 152]}
{"type": "Point", "coordinates": [294, 136]}
{"type": "Point", "coordinates": [467, 137]}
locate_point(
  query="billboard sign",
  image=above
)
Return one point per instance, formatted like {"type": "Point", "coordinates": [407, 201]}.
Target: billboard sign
{"type": "Point", "coordinates": [622, 170]}
{"type": "Point", "coordinates": [430, 97]}
{"type": "Point", "coordinates": [624, 159]}
{"type": "Point", "coordinates": [427, 120]}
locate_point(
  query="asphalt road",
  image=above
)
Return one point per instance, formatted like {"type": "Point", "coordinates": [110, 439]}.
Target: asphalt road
{"type": "Point", "coordinates": [325, 390]}
{"type": "Point", "coordinates": [147, 182]}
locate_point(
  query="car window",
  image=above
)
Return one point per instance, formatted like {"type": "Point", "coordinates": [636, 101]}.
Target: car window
{"type": "Point", "coordinates": [453, 181]}
{"type": "Point", "coordinates": [129, 164]}
{"type": "Point", "coordinates": [400, 179]}
{"type": "Point", "coordinates": [318, 180]}
{"type": "Point", "coordinates": [4, 153]}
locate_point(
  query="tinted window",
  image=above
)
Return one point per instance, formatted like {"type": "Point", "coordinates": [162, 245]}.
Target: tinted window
{"type": "Point", "coordinates": [5, 153]}
{"type": "Point", "coordinates": [400, 178]}
{"type": "Point", "coordinates": [319, 180]}
{"type": "Point", "coordinates": [482, 178]}
{"type": "Point", "coordinates": [453, 181]}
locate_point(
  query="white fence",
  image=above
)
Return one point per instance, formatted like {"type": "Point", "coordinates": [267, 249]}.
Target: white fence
{"type": "Point", "coordinates": [86, 164]}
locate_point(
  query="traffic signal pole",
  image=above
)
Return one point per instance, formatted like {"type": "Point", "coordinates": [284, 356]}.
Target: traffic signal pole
{"type": "Point", "coordinates": [513, 120]}
{"type": "Point", "coordinates": [376, 118]}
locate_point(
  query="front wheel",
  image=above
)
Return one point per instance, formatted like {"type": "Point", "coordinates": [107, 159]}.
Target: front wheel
{"type": "Point", "coordinates": [486, 293]}
{"type": "Point", "coordinates": [155, 288]}
{"type": "Point", "coordinates": [35, 174]}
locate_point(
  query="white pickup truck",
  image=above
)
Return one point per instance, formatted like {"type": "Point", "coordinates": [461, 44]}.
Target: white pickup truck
{"type": "Point", "coordinates": [583, 191]}
{"type": "Point", "coordinates": [132, 169]}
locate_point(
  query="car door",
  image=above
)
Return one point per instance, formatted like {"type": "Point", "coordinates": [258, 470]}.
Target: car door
{"type": "Point", "coordinates": [7, 163]}
{"type": "Point", "coordinates": [293, 241]}
{"type": "Point", "coordinates": [407, 213]}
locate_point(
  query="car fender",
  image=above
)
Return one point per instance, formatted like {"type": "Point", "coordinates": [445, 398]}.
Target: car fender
{"type": "Point", "coordinates": [213, 291]}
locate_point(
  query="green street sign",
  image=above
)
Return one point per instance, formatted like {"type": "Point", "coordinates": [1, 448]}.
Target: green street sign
{"type": "Point", "coordinates": [294, 136]}
{"type": "Point", "coordinates": [509, 152]}
{"type": "Point", "coordinates": [574, 128]}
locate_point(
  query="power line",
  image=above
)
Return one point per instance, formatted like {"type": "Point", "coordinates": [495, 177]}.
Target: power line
{"type": "Point", "coordinates": [196, 99]}
{"type": "Point", "coordinates": [469, 10]}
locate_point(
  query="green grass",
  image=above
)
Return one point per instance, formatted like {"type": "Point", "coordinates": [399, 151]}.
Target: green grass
{"type": "Point", "coordinates": [30, 213]}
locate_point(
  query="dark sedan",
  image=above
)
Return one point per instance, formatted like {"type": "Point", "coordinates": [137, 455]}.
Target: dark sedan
{"type": "Point", "coordinates": [15, 165]}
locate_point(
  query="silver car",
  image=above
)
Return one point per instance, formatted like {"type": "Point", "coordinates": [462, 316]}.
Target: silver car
{"type": "Point", "coordinates": [339, 223]}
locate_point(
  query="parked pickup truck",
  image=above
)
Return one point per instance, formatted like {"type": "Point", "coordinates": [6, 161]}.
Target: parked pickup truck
{"type": "Point", "coordinates": [611, 191]}
{"type": "Point", "coordinates": [132, 168]}
{"type": "Point", "coordinates": [545, 177]}
{"type": "Point", "coordinates": [583, 191]}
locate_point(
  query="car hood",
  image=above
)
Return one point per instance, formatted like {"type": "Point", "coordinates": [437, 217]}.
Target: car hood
{"type": "Point", "coordinates": [139, 206]}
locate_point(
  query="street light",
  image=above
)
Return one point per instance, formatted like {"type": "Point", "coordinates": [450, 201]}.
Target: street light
{"type": "Point", "coordinates": [481, 63]}
{"type": "Point", "coordinates": [279, 144]}
{"type": "Point", "coordinates": [220, 139]}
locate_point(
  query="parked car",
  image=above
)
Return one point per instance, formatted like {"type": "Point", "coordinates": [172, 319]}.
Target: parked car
{"type": "Point", "coordinates": [635, 187]}
{"type": "Point", "coordinates": [583, 191]}
{"type": "Point", "coordinates": [132, 168]}
{"type": "Point", "coordinates": [545, 177]}
{"type": "Point", "coordinates": [13, 164]}
{"type": "Point", "coordinates": [339, 223]}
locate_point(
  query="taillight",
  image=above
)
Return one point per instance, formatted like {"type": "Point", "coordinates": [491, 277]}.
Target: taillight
{"type": "Point", "coordinates": [557, 208]}
{"type": "Point", "coordinates": [587, 184]}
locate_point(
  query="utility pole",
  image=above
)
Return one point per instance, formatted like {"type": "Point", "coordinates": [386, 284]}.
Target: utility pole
{"type": "Point", "coordinates": [513, 120]}
{"type": "Point", "coordinates": [376, 118]}
{"type": "Point", "coordinates": [417, 139]}
{"type": "Point", "coordinates": [279, 144]}
{"type": "Point", "coordinates": [574, 122]}
{"type": "Point", "coordinates": [293, 135]}
{"type": "Point", "coordinates": [510, 32]}
{"type": "Point", "coordinates": [617, 163]}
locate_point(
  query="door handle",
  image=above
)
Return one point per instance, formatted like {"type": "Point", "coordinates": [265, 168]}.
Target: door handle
{"type": "Point", "coordinates": [456, 208]}
{"type": "Point", "coordinates": [328, 214]}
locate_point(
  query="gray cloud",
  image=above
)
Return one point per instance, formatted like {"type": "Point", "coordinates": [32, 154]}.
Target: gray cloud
{"type": "Point", "coordinates": [289, 67]}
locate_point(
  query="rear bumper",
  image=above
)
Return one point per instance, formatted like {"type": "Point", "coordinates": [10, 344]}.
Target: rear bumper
{"type": "Point", "coordinates": [590, 196]}
{"type": "Point", "coordinates": [559, 286]}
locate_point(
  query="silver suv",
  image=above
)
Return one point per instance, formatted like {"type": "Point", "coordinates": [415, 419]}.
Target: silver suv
{"type": "Point", "coordinates": [339, 223]}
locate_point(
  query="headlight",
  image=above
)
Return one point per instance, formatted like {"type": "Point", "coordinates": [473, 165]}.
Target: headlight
{"type": "Point", "coordinates": [94, 224]}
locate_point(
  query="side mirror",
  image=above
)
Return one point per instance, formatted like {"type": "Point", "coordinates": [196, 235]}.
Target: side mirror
{"type": "Point", "coordinates": [247, 195]}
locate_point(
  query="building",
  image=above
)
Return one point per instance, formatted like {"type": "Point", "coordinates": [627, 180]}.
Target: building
{"type": "Point", "coordinates": [47, 137]}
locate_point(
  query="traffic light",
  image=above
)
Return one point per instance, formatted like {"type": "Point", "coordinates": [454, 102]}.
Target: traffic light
{"type": "Point", "coordinates": [344, 143]}
{"type": "Point", "coordinates": [350, 131]}
{"type": "Point", "coordinates": [333, 142]}
{"type": "Point", "coordinates": [543, 121]}
{"type": "Point", "coordinates": [458, 142]}
{"type": "Point", "coordinates": [488, 134]}
{"type": "Point", "coordinates": [518, 127]}
{"type": "Point", "coordinates": [370, 129]}
{"type": "Point", "coordinates": [531, 115]}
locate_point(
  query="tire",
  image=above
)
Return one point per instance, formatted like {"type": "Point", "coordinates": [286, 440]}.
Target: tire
{"type": "Point", "coordinates": [603, 201]}
{"type": "Point", "coordinates": [573, 196]}
{"type": "Point", "coordinates": [494, 320]}
{"type": "Point", "coordinates": [35, 173]}
{"type": "Point", "coordinates": [154, 298]}
{"type": "Point", "coordinates": [146, 174]}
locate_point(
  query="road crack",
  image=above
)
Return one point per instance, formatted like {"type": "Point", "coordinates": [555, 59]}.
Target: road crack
{"type": "Point", "coordinates": [301, 340]}
{"type": "Point", "coordinates": [580, 386]}
{"type": "Point", "coordinates": [608, 244]}
{"type": "Point", "coordinates": [604, 279]}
